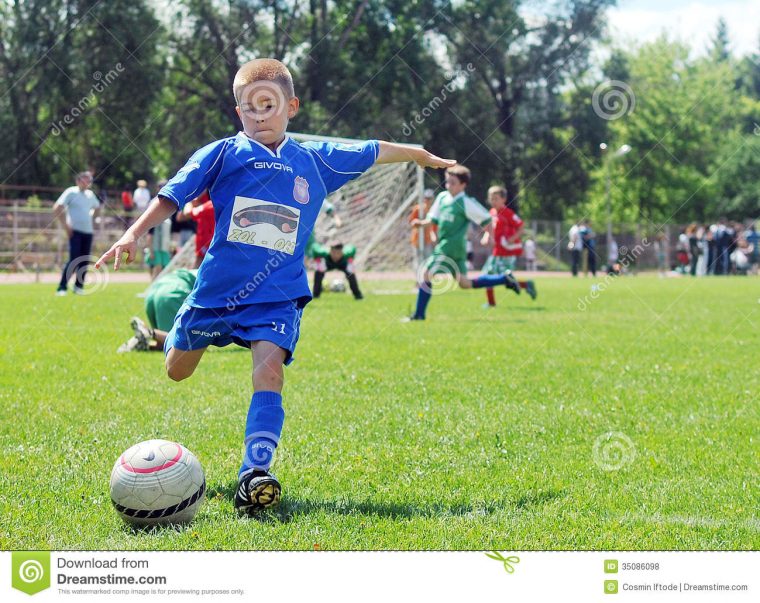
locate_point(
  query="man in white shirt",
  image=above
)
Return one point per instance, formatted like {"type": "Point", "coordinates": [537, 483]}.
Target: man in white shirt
{"type": "Point", "coordinates": [575, 245]}
{"type": "Point", "coordinates": [141, 196]}
{"type": "Point", "coordinates": [75, 210]}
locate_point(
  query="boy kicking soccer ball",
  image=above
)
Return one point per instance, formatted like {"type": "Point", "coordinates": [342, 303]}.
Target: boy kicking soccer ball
{"type": "Point", "coordinates": [267, 190]}
{"type": "Point", "coordinates": [452, 212]}
{"type": "Point", "coordinates": [507, 247]}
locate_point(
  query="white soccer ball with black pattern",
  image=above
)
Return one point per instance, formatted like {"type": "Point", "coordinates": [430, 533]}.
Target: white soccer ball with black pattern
{"type": "Point", "coordinates": [157, 482]}
{"type": "Point", "coordinates": [337, 286]}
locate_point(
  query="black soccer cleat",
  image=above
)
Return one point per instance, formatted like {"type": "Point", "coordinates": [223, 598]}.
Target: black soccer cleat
{"type": "Point", "coordinates": [512, 283]}
{"type": "Point", "coordinates": [257, 490]}
{"type": "Point", "coordinates": [530, 289]}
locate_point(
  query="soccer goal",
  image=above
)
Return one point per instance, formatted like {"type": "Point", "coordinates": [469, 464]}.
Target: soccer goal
{"type": "Point", "coordinates": [371, 214]}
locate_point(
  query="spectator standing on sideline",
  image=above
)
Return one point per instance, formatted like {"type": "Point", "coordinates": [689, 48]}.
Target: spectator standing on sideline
{"type": "Point", "coordinates": [721, 245]}
{"type": "Point", "coordinates": [421, 253]}
{"type": "Point", "coordinates": [694, 247]}
{"type": "Point", "coordinates": [575, 245]}
{"type": "Point", "coordinates": [141, 196]}
{"type": "Point", "coordinates": [159, 248]}
{"type": "Point", "coordinates": [529, 249]}
{"type": "Point", "coordinates": [589, 244]}
{"type": "Point", "coordinates": [753, 240]}
{"type": "Point", "coordinates": [75, 210]}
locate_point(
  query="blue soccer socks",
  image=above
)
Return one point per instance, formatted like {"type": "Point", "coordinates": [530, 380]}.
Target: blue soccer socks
{"type": "Point", "coordinates": [423, 299]}
{"type": "Point", "coordinates": [262, 430]}
{"type": "Point", "coordinates": [488, 280]}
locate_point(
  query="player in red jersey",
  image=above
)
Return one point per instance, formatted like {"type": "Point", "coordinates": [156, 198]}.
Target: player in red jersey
{"type": "Point", "coordinates": [507, 246]}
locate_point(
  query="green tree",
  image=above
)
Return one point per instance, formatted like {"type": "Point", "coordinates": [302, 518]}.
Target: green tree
{"type": "Point", "coordinates": [681, 110]}
{"type": "Point", "coordinates": [524, 61]}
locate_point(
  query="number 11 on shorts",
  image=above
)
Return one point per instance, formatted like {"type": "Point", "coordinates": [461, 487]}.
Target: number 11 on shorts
{"type": "Point", "coordinates": [281, 330]}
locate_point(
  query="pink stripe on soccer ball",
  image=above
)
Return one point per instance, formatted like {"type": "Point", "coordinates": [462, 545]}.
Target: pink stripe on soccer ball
{"type": "Point", "coordinates": [166, 465]}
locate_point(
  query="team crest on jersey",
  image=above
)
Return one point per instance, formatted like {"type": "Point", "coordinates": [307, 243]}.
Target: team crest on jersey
{"type": "Point", "coordinates": [301, 190]}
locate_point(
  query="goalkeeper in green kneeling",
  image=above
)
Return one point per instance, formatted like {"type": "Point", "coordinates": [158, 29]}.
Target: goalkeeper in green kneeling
{"type": "Point", "coordinates": [336, 257]}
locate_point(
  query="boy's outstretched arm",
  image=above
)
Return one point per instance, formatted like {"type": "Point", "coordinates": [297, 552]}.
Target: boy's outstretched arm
{"type": "Point", "coordinates": [390, 152]}
{"type": "Point", "coordinates": [159, 209]}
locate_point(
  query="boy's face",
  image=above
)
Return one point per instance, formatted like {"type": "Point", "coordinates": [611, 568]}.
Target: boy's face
{"type": "Point", "coordinates": [265, 111]}
{"type": "Point", "coordinates": [497, 201]}
{"type": "Point", "coordinates": [454, 185]}
{"type": "Point", "coordinates": [336, 254]}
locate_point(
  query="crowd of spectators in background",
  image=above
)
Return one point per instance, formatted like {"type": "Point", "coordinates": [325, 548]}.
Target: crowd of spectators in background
{"type": "Point", "coordinates": [723, 248]}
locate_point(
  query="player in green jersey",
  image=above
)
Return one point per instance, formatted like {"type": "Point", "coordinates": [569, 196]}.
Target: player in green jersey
{"type": "Point", "coordinates": [452, 212]}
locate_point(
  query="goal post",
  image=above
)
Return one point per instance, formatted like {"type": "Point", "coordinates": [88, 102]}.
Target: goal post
{"type": "Point", "coordinates": [372, 212]}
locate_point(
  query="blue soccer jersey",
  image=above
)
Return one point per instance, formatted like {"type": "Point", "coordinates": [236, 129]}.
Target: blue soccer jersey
{"type": "Point", "coordinates": [266, 203]}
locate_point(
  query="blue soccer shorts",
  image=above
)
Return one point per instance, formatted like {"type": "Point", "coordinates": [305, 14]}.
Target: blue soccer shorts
{"type": "Point", "coordinates": [197, 328]}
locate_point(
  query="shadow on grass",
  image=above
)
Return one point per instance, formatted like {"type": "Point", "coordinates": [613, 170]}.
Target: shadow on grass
{"type": "Point", "coordinates": [293, 506]}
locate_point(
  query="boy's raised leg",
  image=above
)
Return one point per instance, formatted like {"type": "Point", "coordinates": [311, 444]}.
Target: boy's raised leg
{"type": "Point", "coordinates": [180, 364]}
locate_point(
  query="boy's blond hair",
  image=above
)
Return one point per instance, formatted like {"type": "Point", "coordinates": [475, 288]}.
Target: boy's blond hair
{"type": "Point", "coordinates": [258, 70]}
{"type": "Point", "coordinates": [498, 190]}
{"type": "Point", "coordinates": [460, 172]}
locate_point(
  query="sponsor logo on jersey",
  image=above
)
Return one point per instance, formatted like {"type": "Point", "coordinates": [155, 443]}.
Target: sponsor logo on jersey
{"type": "Point", "coordinates": [270, 165]}
{"type": "Point", "coordinates": [301, 190]}
{"type": "Point", "coordinates": [276, 215]}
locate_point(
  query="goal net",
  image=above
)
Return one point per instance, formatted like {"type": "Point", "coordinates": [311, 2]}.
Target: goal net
{"type": "Point", "coordinates": [369, 212]}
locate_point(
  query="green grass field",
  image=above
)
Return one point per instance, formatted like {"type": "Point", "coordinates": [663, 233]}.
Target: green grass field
{"type": "Point", "coordinates": [475, 430]}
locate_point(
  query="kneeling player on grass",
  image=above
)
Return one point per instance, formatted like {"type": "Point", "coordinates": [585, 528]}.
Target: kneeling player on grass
{"type": "Point", "coordinates": [164, 299]}
{"type": "Point", "coordinates": [337, 257]}
{"type": "Point", "coordinates": [452, 212]}
{"type": "Point", "coordinates": [267, 190]}
{"type": "Point", "coordinates": [507, 247]}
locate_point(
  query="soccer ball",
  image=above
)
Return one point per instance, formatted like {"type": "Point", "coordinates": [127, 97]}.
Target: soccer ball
{"type": "Point", "coordinates": [157, 483]}
{"type": "Point", "coordinates": [337, 286]}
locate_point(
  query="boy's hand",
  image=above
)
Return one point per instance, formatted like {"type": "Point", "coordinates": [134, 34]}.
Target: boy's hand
{"type": "Point", "coordinates": [427, 159]}
{"type": "Point", "coordinates": [126, 244]}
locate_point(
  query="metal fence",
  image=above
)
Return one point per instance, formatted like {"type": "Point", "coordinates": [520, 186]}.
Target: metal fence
{"type": "Point", "coordinates": [31, 240]}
